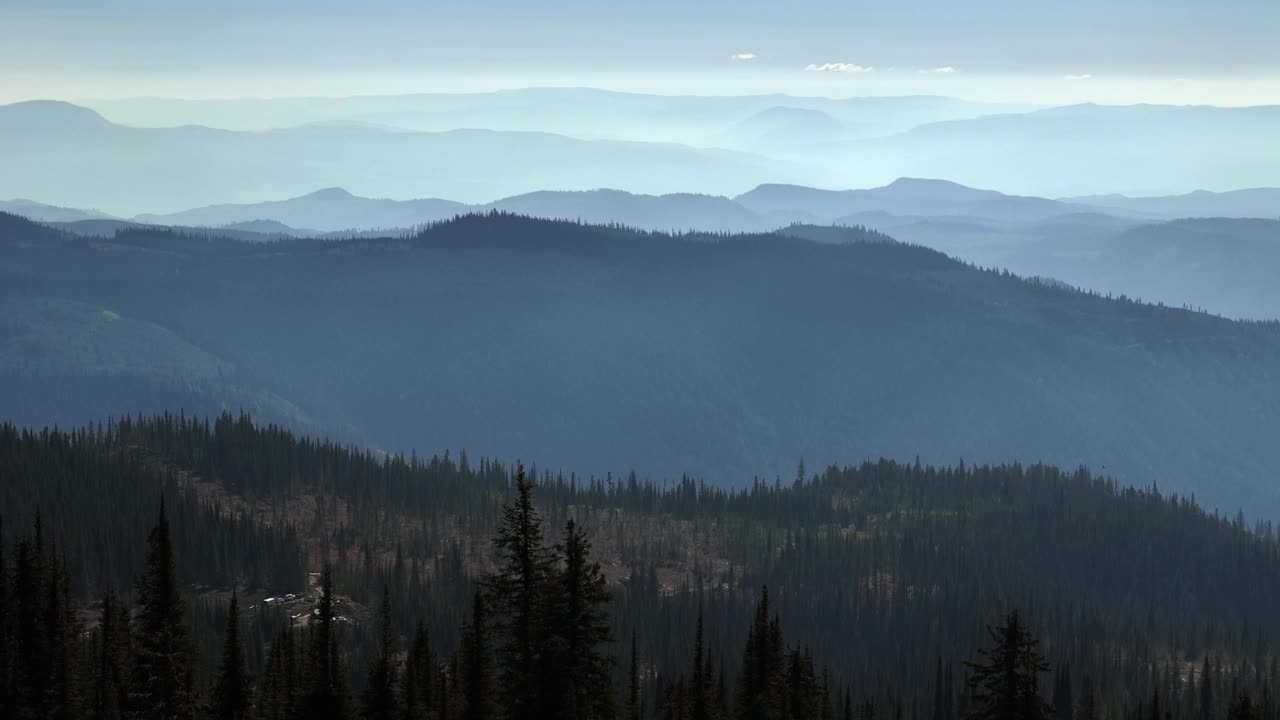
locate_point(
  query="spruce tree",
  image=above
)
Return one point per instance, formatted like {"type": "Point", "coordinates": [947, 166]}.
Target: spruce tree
{"type": "Point", "coordinates": [757, 679]}
{"type": "Point", "coordinates": [279, 692]}
{"type": "Point", "coordinates": [232, 686]}
{"type": "Point", "coordinates": [30, 643]}
{"type": "Point", "coordinates": [419, 676]}
{"type": "Point", "coordinates": [325, 697]}
{"type": "Point", "coordinates": [1007, 685]}
{"type": "Point", "coordinates": [6, 634]}
{"type": "Point", "coordinates": [700, 687]}
{"type": "Point", "coordinates": [477, 666]}
{"type": "Point", "coordinates": [517, 592]}
{"type": "Point", "coordinates": [110, 686]}
{"type": "Point", "coordinates": [576, 664]}
{"type": "Point", "coordinates": [379, 698]}
{"type": "Point", "coordinates": [633, 682]}
{"type": "Point", "coordinates": [163, 657]}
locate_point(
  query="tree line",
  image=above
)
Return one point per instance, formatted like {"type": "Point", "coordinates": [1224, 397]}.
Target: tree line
{"type": "Point", "coordinates": [882, 573]}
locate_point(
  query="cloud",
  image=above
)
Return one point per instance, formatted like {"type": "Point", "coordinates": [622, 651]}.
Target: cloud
{"type": "Point", "coordinates": [1082, 76]}
{"type": "Point", "coordinates": [743, 56]}
{"type": "Point", "coordinates": [944, 70]}
{"type": "Point", "coordinates": [840, 67]}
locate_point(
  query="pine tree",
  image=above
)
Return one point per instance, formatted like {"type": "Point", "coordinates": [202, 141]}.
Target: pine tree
{"type": "Point", "coordinates": [6, 634]}
{"type": "Point", "coordinates": [419, 676]}
{"type": "Point", "coordinates": [576, 670]}
{"type": "Point", "coordinates": [517, 592]}
{"type": "Point", "coordinates": [326, 695]}
{"type": "Point", "coordinates": [700, 687]}
{"type": "Point", "coordinates": [232, 686]}
{"type": "Point", "coordinates": [379, 698]}
{"type": "Point", "coordinates": [279, 692]}
{"type": "Point", "coordinates": [477, 667]}
{"type": "Point", "coordinates": [757, 695]}
{"type": "Point", "coordinates": [633, 682]}
{"type": "Point", "coordinates": [163, 663]}
{"type": "Point", "coordinates": [1007, 685]}
{"type": "Point", "coordinates": [30, 642]}
{"type": "Point", "coordinates": [62, 627]}
{"type": "Point", "coordinates": [109, 693]}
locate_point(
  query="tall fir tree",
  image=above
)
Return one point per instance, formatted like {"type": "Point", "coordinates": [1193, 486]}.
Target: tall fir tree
{"type": "Point", "coordinates": [279, 692]}
{"type": "Point", "coordinates": [163, 666]}
{"type": "Point", "coordinates": [110, 687]}
{"type": "Point", "coordinates": [1007, 685]}
{"type": "Point", "coordinates": [419, 676]}
{"type": "Point", "coordinates": [517, 594]}
{"type": "Point", "coordinates": [700, 686]}
{"type": "Point", "coordinates": [633, 682]}
{"type": "Point", "coordinates": [477, 665]}
{"type": "Point", "coordinates": [576, 663]}
{"type": "Point", "coordinates": [232, 698]}
{"type": "Point", "coordinates": [379, 697]}
{"type": "Point", "coordinates": [325, 697]}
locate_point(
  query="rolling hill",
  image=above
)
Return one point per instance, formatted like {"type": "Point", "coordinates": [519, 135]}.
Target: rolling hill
{"type": "Point", "coordinates": [603, 349]}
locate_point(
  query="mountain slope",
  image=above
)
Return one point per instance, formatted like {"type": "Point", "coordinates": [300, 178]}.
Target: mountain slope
{"type": "Point", "coordinates": [605, 349]}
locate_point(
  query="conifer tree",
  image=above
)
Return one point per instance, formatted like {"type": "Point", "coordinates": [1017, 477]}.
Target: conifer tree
{"type": "Point", "coordinates": [279, 692]}
{"type": "Point", "coordinates": [30, 649]}
{"type": "Point", "coordinates": [6, 633]}
{"type": "Point", "coordinates": [163, 663]}
{"type": "Point", "coordinates": [518, 593]}
{"type": "Point", "coordinates": [1007, 685]}
{"type": "Point", "coordinates": [62, 627]}
{"type": "Point", "coordinates": [232, 687]}
{"type": "Point", "coordinates": [419, 676]}
{"type": "Point", "coordinates": [326, 694]}
{"type": "Point", "coordinates": [379, 699]}
{"type": "Point", "coordinates": [699, 688]}
{"type": "Point", "coordinates": [633, 682]}
{"type": "Point", "coordinates": [757, 680]}
{"type": "Point", "coordinates": [477, 666]}
{"type": "Point", "coordinates": [108, 692]}
{"type": "Point", "coordinates": [575, 662]}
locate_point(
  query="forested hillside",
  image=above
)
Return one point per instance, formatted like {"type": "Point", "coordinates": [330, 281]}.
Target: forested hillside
{"type": "Point", "coordinates": [883, 575]}
{"type": "Point", "coordinates": [606, 349]}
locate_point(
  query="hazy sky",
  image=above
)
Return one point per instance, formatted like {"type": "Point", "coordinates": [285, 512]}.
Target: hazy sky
{"type": "Point", "coordinates": [1114, 51]}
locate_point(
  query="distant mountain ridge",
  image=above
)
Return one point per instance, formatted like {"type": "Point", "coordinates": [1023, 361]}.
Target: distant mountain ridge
{"type": "Point", "coordinates": [726, 356]}
{"type": "Point", "coordinates": [1249, 202]}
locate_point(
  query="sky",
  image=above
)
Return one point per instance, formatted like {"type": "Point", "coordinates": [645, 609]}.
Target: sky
{"type": "Point", "coordinates": [1118, 51]}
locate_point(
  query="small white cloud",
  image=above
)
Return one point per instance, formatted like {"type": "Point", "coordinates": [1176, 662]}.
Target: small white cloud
{"type": "Point", "coordinates": [839, 67]}
{"type": "Point", "coordinates": [743, 56]}
{"type": "Point", "coordinates": [944, 70]}
{"type": "Point", "coordinates": [1082, 76]}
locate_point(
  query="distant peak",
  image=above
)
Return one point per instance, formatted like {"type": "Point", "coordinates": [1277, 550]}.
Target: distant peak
{"type": "Point", "coordinates": [50, 114]}
{"type": "Point", "coordinates": [910, 182]}
{"type": "Point", "coordinates": [330, 193]}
